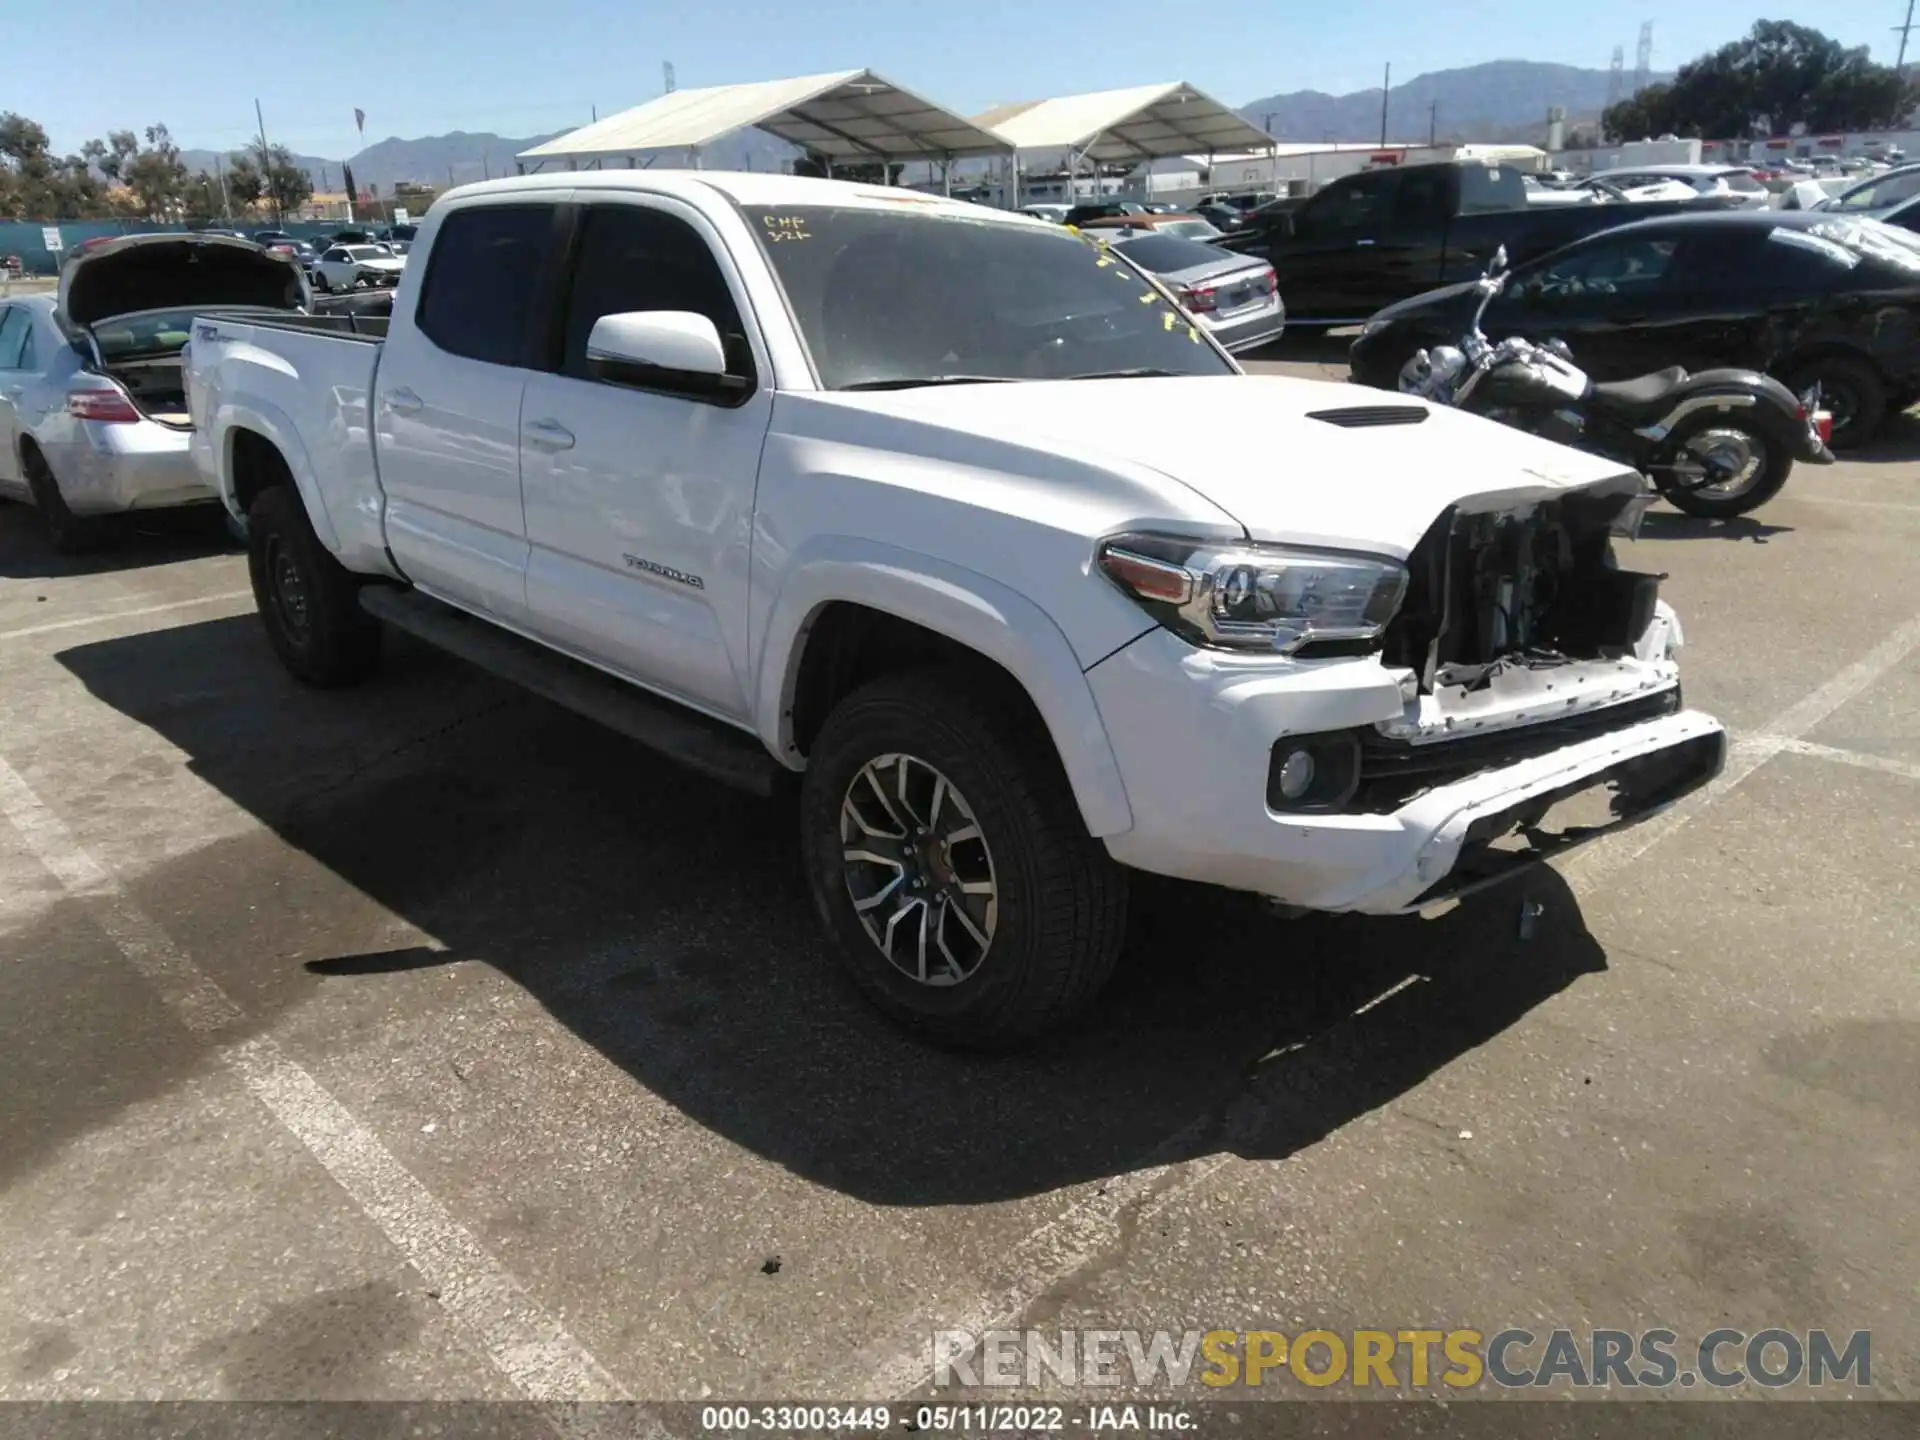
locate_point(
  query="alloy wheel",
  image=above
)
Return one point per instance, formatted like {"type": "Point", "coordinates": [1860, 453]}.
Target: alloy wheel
{"type": "Point", "coordinates": [918, 870]}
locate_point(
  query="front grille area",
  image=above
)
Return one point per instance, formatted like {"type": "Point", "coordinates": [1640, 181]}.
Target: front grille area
{"type": "Point", "coordinates": [1392, 772]}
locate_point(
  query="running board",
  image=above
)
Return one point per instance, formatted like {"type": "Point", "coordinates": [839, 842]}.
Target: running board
{"type": "Point", "coordinates": [718, 751]}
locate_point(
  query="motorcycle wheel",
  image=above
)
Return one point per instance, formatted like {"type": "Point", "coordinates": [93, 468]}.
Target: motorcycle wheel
{"type": "Point", "coordinates": [1753, 466]}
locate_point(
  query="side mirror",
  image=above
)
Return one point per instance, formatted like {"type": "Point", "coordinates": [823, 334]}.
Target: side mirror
{"type": "Point", "coordinates": [678, 341]}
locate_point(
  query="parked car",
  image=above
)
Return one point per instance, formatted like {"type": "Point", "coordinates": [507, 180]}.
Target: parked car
{"type": "Point", "coordinates": [1369, 239]}
{"type": "Point", "coordinates": [789, 475]}
{"type": "Point", "coordinates": [1732, 184]}
{"type": "Point", "coordinates": [1102, 209]}
{"type": "Point", "coordinates": [345, 267]}
{"type": "Point", "coordinates": [1877, 193]}
{"type": "Point", "coordinates": [1803, 296]}
{"type": "Point", "coordinates": [1221, 216]}
{"type": "Point", "coordinates": [270, 238]}
{"type": "Point", "coordinates": [93, 421]}
{"type": "Point", "coordinates": [1188, 227]}
{"type": "Point", "coordinates": [1234, 296]}
{"type": "Point", "coordinates": [1055, 214]}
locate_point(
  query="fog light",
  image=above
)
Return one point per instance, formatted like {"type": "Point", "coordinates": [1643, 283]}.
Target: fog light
{"type": "Point", "coordinates": [1296, 775]}
{"type": "Point", "coordinates": [1313, 772]}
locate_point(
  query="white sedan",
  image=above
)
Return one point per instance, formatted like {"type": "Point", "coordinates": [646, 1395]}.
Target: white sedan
{"type": "Point", "coordinates": [347, 267]}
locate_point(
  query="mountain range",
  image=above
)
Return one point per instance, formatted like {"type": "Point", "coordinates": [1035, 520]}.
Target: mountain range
{"type": "Point", "coordinates": [1500, 100]}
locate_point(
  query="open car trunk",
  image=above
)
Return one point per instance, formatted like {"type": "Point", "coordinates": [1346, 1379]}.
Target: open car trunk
{"type": "Point", "coordinates": [156, 385]}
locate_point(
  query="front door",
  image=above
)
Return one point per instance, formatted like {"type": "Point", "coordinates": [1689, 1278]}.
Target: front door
{"type": "Point", "coordinates": [16, 330]}
{"type": "Point", "coordinates": [1327, 261]}
{"type": "Point", "coordinates": [1613, 299]}
{"type": "Point", "coordinates": [447, 408]}
{"type": "Point", "coordinates": [639, 498]}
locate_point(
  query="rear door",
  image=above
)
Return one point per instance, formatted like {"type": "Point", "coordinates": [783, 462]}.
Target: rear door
{"type": "Point", "coordinates": [639, 496]}
{"type": "Point", "coordinates": [447, 405]}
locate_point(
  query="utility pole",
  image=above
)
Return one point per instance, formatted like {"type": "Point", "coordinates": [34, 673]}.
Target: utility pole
{"type": "Point", "coordinates": [1900, 64]}
{"type": "Point", "coordinates": [1386, 89]}
{"type": "Point", "coordinates": [1433, 123]}
{"type": "Point", "coordinates": [266, 166]}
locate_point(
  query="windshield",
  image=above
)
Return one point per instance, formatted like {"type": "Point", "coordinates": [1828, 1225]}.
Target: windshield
{"type": "Point", "coordinates": [1887, 244]}
{"type": "Point", "coordinates": [900, 295]}
{"type": "Point", "coordinates": [1189, 229]}
{"type": "Point", "coordinates": [156, 332]}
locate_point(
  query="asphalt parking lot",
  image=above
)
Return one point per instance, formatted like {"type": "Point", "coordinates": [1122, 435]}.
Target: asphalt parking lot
{"type": "Point", "coordinates": [422, 1041]}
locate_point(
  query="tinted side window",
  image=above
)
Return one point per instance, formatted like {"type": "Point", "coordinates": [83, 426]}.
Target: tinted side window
{"type": "Point", "coordinates": [1485, 188]}
{"type": "Point", "coordinates": [1421, 201]}
{"type": "Point", "coordinates": [13, 335]}
{"type": "Point", "coordinates": [482, 276]}
{"type": "Point", "coordinates": [1355, 206]}
{"type": "Point", "coordinates": [1636, 265]}
{"type": "Point", "coordinates": [637, 259]}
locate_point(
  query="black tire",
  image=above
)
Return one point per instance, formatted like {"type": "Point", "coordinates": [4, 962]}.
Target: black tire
{"type": "Point", "coordinates": [1061, 900]}
{"type": "Point", "coordinates": [320, 284]}
{"type": "Point", "coordinates": [1776, 465]}
{"type": "Point", "coordinates": [308, 602]}
{"type": "Point", "coordinates": [1852, 389]}
{"type": "Point", "coordinates": [67, 533]}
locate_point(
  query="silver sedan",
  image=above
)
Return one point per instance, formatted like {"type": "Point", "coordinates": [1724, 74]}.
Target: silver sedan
{"type": "Point", "coordinates": [72, 442]}
{"type": "Point", "coordinates": [93, 418]}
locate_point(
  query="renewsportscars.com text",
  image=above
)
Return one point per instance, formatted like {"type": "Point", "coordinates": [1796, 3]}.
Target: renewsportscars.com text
{"type": "Point", "coordinates": [1401, 1359]}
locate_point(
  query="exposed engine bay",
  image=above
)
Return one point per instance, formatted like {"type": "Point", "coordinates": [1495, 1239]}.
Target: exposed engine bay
{"type": "Point", "coordinates": [1535, 586]}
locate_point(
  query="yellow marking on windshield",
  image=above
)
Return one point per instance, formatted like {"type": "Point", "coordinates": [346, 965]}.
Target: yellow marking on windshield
{"type": "Point", "coordinates": [1148, 298]}
{"type": "Point", "coordinates": [1169, 320]}
{"type": "Point", "coordinates": [781, 228]}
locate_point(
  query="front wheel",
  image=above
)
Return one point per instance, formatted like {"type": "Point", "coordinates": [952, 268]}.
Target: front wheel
{"type": "Point", "coordinates": [946, 855]}
{"type": "Point", "coordinates": [1718, 468]}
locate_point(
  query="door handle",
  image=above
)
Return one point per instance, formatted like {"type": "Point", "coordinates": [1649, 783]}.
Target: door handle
{"type": "Point", "coordinates": [404, 402]}
{"type": "Point", "coordinates": [547, 435]}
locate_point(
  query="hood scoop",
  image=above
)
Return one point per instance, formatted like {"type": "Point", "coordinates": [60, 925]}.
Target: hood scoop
{"type": "Point", "coordinates": [1362, 417]}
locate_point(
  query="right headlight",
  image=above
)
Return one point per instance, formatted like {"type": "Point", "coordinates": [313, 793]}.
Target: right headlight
{"type": "Point", "coordinates": [1256, 597]}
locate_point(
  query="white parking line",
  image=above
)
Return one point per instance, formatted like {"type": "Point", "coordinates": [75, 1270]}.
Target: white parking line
{"type": "Point", "coordinates": [525, 1343]}
{"type": "Point", "coordinates": [1092, 1225]}
{"type": "Point", "coordinates": [1857, 758]}
{"type": "Point", "coordinates": [1595, 862]}
{"type": "Point", "coordinates": [134, 614]}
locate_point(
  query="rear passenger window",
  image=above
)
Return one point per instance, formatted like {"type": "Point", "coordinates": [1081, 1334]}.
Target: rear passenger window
{"type": "Point", "coordinates": [633, 258]}
{"type": "Point", "coordinates": [14, 329]}
{"type": "Point", "coordinates": [483, 273]}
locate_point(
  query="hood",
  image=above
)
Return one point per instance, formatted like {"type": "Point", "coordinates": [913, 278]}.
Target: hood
{"type": "Point", "coordinates": [174, 272]}
{"type": "Point", "coordinates": [1426, 302]}
{"type": "Point", "coordinates": [1290, 478]}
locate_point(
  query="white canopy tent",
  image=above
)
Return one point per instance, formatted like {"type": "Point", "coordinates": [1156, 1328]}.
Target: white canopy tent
{"type": "Point", "coordinates": [1142, 123]}
{"type": "Point", "coordinates": [851, 116]}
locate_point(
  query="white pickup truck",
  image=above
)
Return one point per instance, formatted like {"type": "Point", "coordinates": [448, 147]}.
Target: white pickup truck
{"type": "Point", "coordinates": [899, 493]}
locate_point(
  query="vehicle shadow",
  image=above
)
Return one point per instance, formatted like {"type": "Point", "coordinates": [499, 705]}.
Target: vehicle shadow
{"type": "Point", "coordinates": [664, 921]}
{"type": "Point", "coordinates": [1897, 442]}
{"type": "Point", "coordinates": [1301, 345]}
{"type": "Point", "coordinates": [159, 537]}
{"type": "Point", "coordinates": [1666, 524]}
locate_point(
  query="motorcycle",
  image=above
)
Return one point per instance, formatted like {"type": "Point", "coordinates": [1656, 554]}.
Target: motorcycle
{"type": "Point", "coordinates": [1717, 443]}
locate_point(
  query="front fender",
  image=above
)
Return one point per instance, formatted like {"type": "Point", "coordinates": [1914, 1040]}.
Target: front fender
{"type": "Point", "coordinates": [966, 607]}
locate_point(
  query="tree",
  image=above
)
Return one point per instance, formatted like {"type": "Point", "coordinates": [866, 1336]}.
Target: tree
{"type": "Point", "coordinates": [1776, 77]}
{"type": "Point", "coordinates": [156, 176]}
{"type": "Point", "coordinates": [245, 184]}
{"type": "Point", "coordinates": [201, 197]}
{"type": "Point", "coordinates": [268, 176]}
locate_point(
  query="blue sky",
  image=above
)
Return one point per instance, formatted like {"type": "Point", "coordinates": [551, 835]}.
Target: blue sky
{"type": "Point", "coordinates": [521, 67]}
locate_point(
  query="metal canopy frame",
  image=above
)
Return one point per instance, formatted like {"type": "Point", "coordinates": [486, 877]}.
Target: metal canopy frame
{"type": "Point", "coordinates": [851, 116]}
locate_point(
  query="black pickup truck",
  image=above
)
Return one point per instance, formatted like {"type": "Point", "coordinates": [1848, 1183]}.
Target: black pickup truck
{"type": "Point", "coordinates": [1369, 239]}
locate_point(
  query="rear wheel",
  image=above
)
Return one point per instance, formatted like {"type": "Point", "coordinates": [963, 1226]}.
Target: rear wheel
{"type": "Point", "coordinates": [947, 857]}
{"type": "Point", "coordinates": [1718, 468]}
{"type": "Point", "coordinates": [67, 533]}
{"type": "Point", "coordinates": [1851, 390]}
{"type": "Point", "coordinates": [308, 602]}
